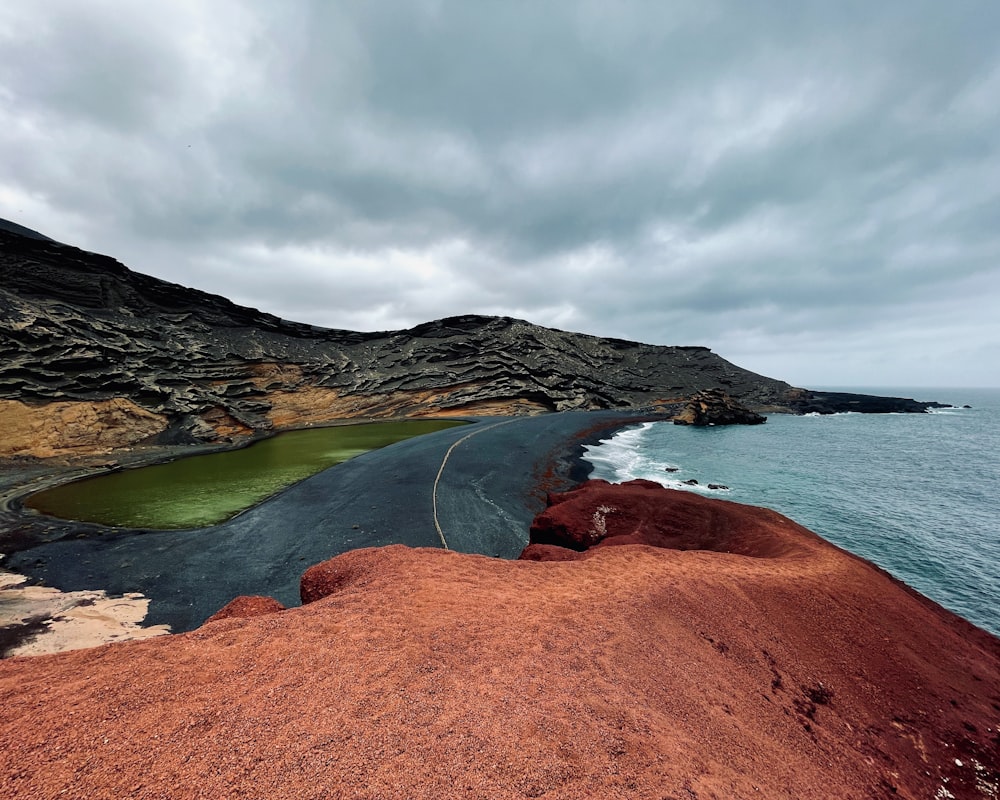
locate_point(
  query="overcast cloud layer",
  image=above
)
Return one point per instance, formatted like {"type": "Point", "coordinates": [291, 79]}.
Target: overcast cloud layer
{"type": "Point", "coordinates": [811, 189]}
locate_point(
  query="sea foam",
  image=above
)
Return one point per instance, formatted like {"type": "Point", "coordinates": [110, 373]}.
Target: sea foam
{"type": "Point", "coordinates": [918, 494]}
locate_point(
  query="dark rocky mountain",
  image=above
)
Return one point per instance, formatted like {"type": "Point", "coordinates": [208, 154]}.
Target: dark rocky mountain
{"type": "Point", "coordinates": [13, 227]}
{"type": "Point", "coordinates": [95, 356]}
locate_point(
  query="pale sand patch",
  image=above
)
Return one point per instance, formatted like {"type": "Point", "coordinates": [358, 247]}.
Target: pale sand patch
{"type": "Point", "coordinates": [62, 621]}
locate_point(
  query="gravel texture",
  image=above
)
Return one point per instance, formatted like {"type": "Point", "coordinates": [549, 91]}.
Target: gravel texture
{"type": "Point", "coordinates": [788, 670]}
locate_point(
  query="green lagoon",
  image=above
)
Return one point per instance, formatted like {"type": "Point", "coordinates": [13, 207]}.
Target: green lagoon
{"type": "Point", "coordinates": [203, 490]}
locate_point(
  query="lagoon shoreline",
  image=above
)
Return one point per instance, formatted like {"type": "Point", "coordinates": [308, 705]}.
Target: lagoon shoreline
{"type": "Point", "coordinates": [492, 487]}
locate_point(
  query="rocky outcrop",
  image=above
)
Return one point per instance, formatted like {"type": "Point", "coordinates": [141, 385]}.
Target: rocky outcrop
{"type": "Point", "coordinates": [805, 401]}
{"type": "Point", "coordinates": [726, 653]}
{"type": "Point", "coordinates": [81, 328]}
{"type": "Point", "coordinates": [601, 514]}
{"type": "Point", "coordinates": [63, 428]}
{"type": "Point", "coordinates": [246, 606]}
{"type": "Point", "coordinates": [715, 407]}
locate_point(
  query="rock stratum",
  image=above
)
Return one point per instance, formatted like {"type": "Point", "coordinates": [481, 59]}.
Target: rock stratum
{"type": "Point", "coordinates": [693, 648]}
{"type": "Point", "coordinates": [95, 357]}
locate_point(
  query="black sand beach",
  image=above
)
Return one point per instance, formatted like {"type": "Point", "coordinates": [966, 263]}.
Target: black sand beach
{"type": "Point", "coordinates": [493, 482]}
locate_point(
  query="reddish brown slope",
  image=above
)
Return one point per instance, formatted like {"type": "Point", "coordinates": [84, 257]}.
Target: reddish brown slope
{"type": "Point", "coordinates": [788, 670]}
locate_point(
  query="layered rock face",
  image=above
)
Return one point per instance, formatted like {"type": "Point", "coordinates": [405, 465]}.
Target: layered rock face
{"type": "Point", "coordinates": [715, 407]}
{"type": "Point", "coordinates": [80, 328]}
{"type": "Point", "coordinates": [695, 649]}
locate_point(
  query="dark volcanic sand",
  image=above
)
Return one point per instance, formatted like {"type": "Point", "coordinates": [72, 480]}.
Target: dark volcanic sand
{"type": "Point", "coordinates": [788, 669]}
{"type": "Point", "coordinates": [493, 485]}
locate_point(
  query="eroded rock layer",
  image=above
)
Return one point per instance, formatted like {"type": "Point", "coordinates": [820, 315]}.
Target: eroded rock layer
{"type": "Point", "coordinates": [739, 657]}
{"type": "Point", "coordinates": [715, 407]}
{"type": "Point", "coordinates": [80, 328]}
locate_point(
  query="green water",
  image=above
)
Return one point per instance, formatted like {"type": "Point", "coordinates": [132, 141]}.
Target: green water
{"type": "Point", "coordinates": [205, 490]}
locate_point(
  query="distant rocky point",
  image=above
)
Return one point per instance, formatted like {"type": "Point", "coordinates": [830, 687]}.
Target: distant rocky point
{"type": "Point", "coordinates": [95, 357]}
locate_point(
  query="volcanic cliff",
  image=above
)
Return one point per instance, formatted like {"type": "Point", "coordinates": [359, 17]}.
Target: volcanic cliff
{"type": "Point", "coordinates": [694, 649]}
{"type": "Point", "coordinates": [95, 357]}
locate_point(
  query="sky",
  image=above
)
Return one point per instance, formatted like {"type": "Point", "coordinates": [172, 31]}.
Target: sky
{"type": "Point", "coordinates": [811, 189]}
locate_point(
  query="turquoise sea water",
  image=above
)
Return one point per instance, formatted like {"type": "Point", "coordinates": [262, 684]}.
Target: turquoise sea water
{"type": "Point", "coordinates": [918, 494]}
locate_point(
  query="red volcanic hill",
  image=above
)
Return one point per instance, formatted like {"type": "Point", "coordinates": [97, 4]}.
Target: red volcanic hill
{"type": "Point", "coordinates": [719, 651]}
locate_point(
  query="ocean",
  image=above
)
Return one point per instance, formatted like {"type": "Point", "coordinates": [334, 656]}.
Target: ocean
{"type": "Point", "coordinates": [917, 494]}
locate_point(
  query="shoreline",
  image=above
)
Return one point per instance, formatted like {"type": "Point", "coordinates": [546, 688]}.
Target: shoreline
{"type": "Point", "coordinates": [18, 473]}
{"type": "Point", "coordinates": [555, 467]}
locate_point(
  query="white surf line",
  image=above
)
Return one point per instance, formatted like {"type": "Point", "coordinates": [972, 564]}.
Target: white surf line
{"type": "Point", "coordinates": [434, 491]}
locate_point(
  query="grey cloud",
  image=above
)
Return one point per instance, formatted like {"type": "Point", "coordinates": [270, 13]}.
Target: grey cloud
{"type": "Point", "coordinates": [700, 172]}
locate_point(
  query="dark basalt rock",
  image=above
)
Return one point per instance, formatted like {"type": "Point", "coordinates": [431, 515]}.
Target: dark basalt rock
{"type": "Point", "coordinates": [715, 407]}
{"type": "Point", "coordinates": [13, 227]}
{"type": "Point", "coordinates": [76, 325]}
{"type": "Point", "coordinates": [804, 401]}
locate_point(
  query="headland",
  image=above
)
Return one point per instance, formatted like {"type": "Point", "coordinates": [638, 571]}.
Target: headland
{"type": "Point", "coordinates": [726, 653]}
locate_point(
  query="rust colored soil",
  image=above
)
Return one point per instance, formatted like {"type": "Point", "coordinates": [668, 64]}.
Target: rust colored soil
{"type": "Point", "coordinates": [787, 669]}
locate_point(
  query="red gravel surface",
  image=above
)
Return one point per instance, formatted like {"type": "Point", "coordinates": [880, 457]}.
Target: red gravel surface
{"type": "Point", "coordinates": [783, 669]}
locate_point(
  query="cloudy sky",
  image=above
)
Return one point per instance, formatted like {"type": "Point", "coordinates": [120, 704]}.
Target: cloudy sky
{"type": "Point", "coordinates": [811, 189]}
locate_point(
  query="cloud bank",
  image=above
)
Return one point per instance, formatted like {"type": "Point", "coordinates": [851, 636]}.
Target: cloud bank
{"type": "Point", "coordinates": [813, 191]}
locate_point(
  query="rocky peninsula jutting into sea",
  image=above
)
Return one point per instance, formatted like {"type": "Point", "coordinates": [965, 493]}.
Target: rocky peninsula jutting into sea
{"type": "Point", "coordinates": [474, 620]}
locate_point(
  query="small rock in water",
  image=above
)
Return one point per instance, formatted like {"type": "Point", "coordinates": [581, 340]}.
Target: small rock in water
{"type": "Point", "coordinates": [691, 482]}
{"type": "Point", "coordinates": [717, 486]}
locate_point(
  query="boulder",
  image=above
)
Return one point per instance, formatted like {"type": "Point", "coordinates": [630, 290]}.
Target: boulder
{"type": "Point", "coordinates": [715, 407]}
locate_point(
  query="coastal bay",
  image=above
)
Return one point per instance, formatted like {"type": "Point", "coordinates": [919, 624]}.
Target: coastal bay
{"type": "Point", "coordinates": [919, 495]}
